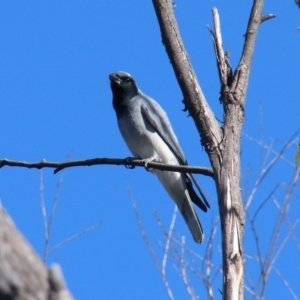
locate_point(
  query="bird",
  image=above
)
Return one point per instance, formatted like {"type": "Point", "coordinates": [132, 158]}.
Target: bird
{"type": "Point", "coordinates": [147, 131]}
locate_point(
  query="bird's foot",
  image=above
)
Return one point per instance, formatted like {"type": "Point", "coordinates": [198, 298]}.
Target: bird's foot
{"type": "Point", "coordinates": [146, 161]}
{"type": "Point", "coordinates": [127, 163]}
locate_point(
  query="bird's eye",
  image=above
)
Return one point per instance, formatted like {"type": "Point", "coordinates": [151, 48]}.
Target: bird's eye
{"type": "Point", "coordinates": [127, 80]}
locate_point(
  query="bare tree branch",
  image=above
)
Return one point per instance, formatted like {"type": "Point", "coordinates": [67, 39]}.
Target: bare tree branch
{"type": "Point", "coordinates": [224, 68]}
{"type": "Point", "coordinates": [44, 213]}
{"type": "Point", "coordinates": [49, 222]}
{"type": "Point", "coordinates": [267, 17]}
{"type": "Point", "coordinates": [241, 76]}
{"type": "Point", "coordinates": [194, 99]}
{"type": "Point", "coordinates": [222, 146]}
{"type": "Point", "coordinates": [183, 272]}
{"type": "Point", "coordinates": [270, 149]}
{"type": "Point", "coordinates": [75, 236]}
{"type": "Point", "coordinates": [128, 162]}
{"type": "Point", "coordinates": [150, 248]}
{"type": "Point", "coordinates": [206, 264]}
{"type": "Point", "coordinates": [286, 283]}
{"type": "Point", "coordinates": [168, 241]}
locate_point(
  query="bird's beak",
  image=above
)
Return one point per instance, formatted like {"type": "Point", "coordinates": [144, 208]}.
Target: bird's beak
{"type": "Point", "coordinates": [114, 78]}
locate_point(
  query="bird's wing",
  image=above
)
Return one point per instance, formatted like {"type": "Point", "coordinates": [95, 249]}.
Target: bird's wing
{"type": "Point", "coordinates": [159, 120]}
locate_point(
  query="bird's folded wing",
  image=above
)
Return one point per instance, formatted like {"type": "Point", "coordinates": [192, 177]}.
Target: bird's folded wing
{"type": "Point", "coordinates": [158, 119]}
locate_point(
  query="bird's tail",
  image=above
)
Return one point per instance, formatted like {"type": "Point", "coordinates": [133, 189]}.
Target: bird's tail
{"type": "Point", "coordinates": [189, 214]}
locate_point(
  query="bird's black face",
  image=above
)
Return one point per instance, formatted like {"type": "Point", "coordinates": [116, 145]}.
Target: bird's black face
{"type": "Point", "coordinates": [123, 86]}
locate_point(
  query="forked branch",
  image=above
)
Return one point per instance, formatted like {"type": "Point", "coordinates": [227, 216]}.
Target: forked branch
{"type": "Point", "coordinates": [221, 144]}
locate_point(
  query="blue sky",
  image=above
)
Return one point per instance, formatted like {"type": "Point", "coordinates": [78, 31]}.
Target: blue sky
{"type": "Point", "coordinates": [55, 99]}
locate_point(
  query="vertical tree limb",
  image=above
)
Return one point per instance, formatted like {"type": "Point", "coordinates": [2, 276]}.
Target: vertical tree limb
{"type": "Point", "coordinates": [195, 101]}
{"type": "Point", "coordinates": [221, 144]}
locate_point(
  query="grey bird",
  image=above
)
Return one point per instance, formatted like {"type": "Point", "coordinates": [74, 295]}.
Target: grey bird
{"type": "Point", "coordinates": [147, 131]}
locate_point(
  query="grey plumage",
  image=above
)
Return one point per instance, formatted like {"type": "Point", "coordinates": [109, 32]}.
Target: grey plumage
{"type": "Point", "coordinates": [148, 134]}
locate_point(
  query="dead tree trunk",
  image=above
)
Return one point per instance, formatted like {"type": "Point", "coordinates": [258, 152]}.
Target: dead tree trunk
{"type": "Point", "coordinates": [222, 143]}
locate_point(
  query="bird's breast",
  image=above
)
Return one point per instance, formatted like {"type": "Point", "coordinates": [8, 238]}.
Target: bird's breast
{"type": "Point", "coordinates": [142, 140]}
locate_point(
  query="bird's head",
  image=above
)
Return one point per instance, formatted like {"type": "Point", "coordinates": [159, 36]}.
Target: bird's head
{"type": "Point", "coordinates": [123, 86]}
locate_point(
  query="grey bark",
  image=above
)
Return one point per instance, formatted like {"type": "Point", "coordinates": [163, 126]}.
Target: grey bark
{"type": "Point", "coordinates": [222, 144]}
{"type": "Point", "coordinates": [23, 275]}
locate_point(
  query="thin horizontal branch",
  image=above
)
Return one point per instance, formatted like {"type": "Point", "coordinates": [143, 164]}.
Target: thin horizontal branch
{"type": "Point", "coordinates": [129, 162]}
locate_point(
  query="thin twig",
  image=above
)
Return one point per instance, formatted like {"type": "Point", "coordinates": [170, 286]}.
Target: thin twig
{"type": "Point", "coordinates": [286, 283]}
{"type": "Point", "coordinates": [148, 244]}
{"type": "Point", "coordinates": [44, 214]}
{"type": "Point", "coordinates": [264, 202]}
{"type": "Point", "coordinates": [270, 148]}
{"type": "Point", "coordinates": [75, 236]}
{"type": "Point", "coordinates": [256, 236]}
{"type": "Point", "coordinates": [52, 214]}
{"type": "Point", "coordinates": [169, 238]}
{"type": "Point", "coordinates": [268, 168]}
{"type": "Point", "coordinates": [48, 223]}
{"type": "Point", "coordinates": [283, 209]}
{"type": "Point", "coordinates": [206, 266]}
{"type": "Point", "coordinates": [182, 263]}
{"type": "Point", "coordinates": [276, 255]}
{"type": "Point", "coordinates": [183, 273]}
{"type": "Point", "coordinates": [267, 17]}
